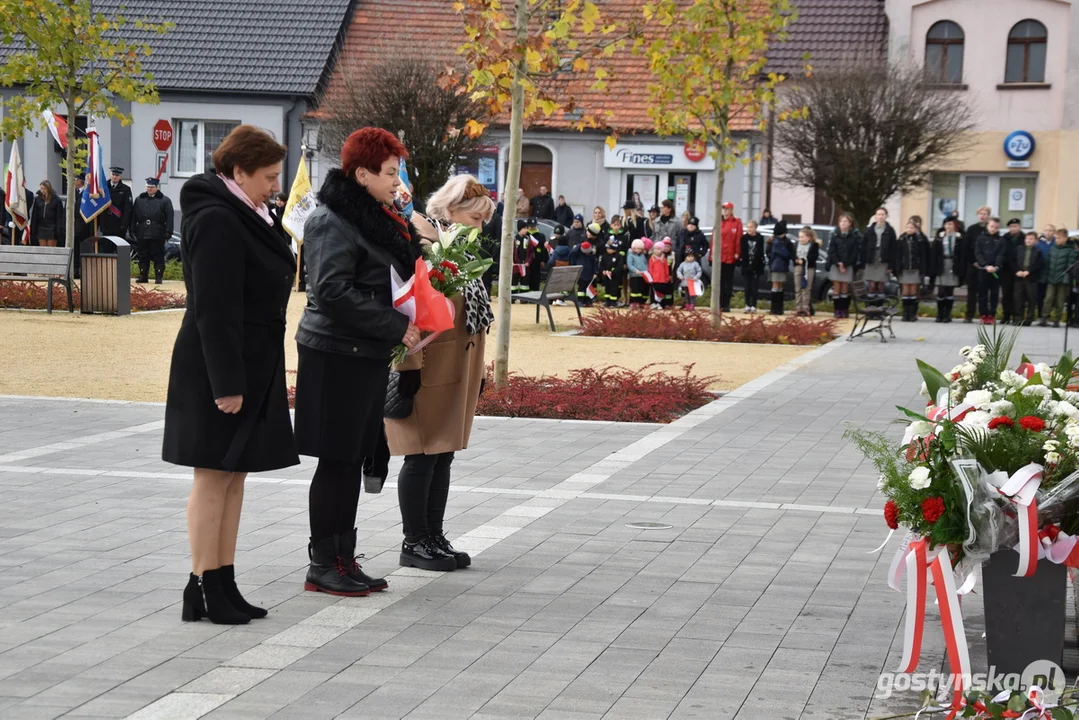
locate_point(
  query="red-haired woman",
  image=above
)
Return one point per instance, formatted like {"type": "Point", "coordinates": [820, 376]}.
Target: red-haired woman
{"type": "Point", "coordinates": [346, 336]}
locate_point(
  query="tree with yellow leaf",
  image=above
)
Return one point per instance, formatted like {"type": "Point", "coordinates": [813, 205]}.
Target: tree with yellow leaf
{"type": "Point", "coordinates": [63, 54]}
{"type": "Point", "coordinates": [526, 56]}
{"type": "Point", "coordinates": [708, 60]}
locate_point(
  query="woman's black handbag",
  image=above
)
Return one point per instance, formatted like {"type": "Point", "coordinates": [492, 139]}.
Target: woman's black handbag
{"type": "Point", "coordinates": [398, 403]}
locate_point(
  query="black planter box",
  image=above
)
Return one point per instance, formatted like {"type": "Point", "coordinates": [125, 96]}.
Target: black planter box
{"type": "Point", "coordinates": [1024, 616]}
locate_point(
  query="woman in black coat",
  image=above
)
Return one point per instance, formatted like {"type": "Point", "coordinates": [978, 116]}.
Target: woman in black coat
{"type": "Point", "coordinates": [878, 253]}
{"type": "Point", "coordinates": [48, 226]}
{"type": "Point", "coordinates": [346, 337]}
{"type": "Point", "coordinates": [227, 412]}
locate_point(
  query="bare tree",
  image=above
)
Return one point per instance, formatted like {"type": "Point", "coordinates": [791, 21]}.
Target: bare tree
{"type": "Point", "coordinates": [409, 94]}
{"type": "Point", "coordinates": [871, 132]}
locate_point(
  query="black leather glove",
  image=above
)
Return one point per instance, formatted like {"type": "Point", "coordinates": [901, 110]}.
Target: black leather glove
{"type": "Point", "coordinates": [409, 384]}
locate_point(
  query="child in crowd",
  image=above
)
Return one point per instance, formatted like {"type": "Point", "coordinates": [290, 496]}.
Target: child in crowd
{"type": "Point", "coordinates": [660, 270]}
{"type": "Point", "coordinates": [584, 255]}
{"type": "Point", "coordinates": [560, 251]}
{"type": "Point", "coordinates": [1061, 258]}
{"type": "Point", "coordinates": [690, 269]}
{"type": "Point", "coordinates": [910, 266]}
{"type": "Point", "coordinates": [637, 265]}
{"type": "Point", "coordinates": [523, 256]}
{"type": "Point", "coordinates": [610, 270]}
{"type": "Point", "coordinates": [1028, 267]}
{"type": "Point", "coordinates": [843, 250]}
{"type": "Point", "coordinates": [541, 253]}
{"type": "Point", "coordinates": [779, 264]}
{"type": "Point", "coordinates": [752, 259]}
{"type": "Point", "coordinates": [806, 253]}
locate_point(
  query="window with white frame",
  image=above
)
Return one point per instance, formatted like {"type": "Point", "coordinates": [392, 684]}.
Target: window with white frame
{"type": "Point", "coordinates": [196, 141]}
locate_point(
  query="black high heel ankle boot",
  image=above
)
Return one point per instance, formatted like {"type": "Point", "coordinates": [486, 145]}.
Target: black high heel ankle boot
{"type": "Point", "coordinates": [228, 579]}
{"type": "Point", "coordinates": [205, 597]}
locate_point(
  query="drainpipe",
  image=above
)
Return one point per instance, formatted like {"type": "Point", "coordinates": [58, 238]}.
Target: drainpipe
{"type": "Point", "coordinates": [770, 145]}
{"type": "Point", "coordinates": [293, 154]}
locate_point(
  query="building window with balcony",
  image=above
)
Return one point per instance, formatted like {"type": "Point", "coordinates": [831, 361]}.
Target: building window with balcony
{"type": "Point", "coordinates": [944, 53]}
{"type": "Point", "coordinates": [1026, 53]}
{"type": "Point", "coordinates": [196, 141]}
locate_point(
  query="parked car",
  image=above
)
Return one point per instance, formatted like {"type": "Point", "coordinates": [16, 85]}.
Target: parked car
{"type": "Point", "coordinates": [172, 248]}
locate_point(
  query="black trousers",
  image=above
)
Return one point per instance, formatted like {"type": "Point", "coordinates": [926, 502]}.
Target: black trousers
{"type": "Point", "coordinates": [534, 279]}
{"type": "Point", "coordinates": [423, 488]}
{"type": "Point", "coordinates": [1026, 299]}
{"type": "Point", "coordinates": [988, 293]}
{"type": "Point", "coordinates": [751, 290]}
{"type": "Point", "coordinates": [151, 251]}
{"type": "Point", "coordinates": [726, 284]}
{"type": "Point", "coordinates": [333, 497]}
{"type": "Point", "coordinates": [973, 275]}
{"type": "Point", "coordinates": [1007, 292]}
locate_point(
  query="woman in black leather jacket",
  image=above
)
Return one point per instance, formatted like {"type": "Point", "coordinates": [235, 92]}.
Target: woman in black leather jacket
{"type": "Point", "coordinates": [346, 337]}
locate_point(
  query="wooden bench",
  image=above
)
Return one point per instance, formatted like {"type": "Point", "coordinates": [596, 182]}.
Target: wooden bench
{"type": "Point", "coordinates": [29, 263]}
{"type": "Point", "coordinates": [561, 284]}
{"type": "Point", "coordinates": [874, 318]}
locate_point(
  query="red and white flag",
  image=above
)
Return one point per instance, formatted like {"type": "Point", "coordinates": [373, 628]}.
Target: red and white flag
{"type": "Point", "coordinates": [404, 294]}
{"type": "Point", "coordinates": [647, 277]}
{"type": "Point", "coordinates": [58, 127]}
{"type": "Point", "coordinates": [520, 270]}
{"type": "Point", "coordinates": [695, 288]}
{"type": "Point", "coordinates": [15, 192]}
{"type": "Point", "coordinates": [534, 240]}
{"type": "Point", "coordinates": [590, 291]}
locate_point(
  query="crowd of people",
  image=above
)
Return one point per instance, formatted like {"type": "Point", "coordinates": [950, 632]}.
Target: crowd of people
{"type": "Point", "coordinates": [638, 259]}
{"type": "Point", "coordinates": [146, 221]}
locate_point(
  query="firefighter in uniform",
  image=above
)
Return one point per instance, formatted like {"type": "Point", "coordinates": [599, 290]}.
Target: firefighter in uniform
{"type": "Point", "coordinates": [117, 219]}
{"type": "Point", "coordinates": [151, 223]}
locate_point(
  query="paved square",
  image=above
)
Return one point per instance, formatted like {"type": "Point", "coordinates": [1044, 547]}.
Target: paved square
{"type": "Point", "coordinates": [761, 601]}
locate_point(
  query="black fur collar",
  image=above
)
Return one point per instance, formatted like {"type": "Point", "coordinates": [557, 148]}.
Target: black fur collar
{"type": "Point", "coordinates": [352, 202]}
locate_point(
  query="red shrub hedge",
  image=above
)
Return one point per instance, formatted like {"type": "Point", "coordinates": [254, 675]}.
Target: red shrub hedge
{"type": "Point", "coordinates": [610, 393]}
{"type": "Point", "coordinates": [33, 296]}
{"type": "Point", "coordinates": [677, 325]}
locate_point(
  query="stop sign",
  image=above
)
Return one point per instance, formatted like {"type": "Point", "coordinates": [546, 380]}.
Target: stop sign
{"type": "Point", "coordinates": [163, 135]}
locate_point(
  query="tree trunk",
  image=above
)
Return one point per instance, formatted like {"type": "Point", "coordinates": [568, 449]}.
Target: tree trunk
{"type": "Point", "coordinates": [717, 234]}
{"type": "Point", "coordinates": [513, 180]}
{"type": "Point", "coordinates": [69, 171]}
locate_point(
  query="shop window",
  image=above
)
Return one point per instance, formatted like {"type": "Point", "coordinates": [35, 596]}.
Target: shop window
{"type": "Point", "coordinates": [1027, 43]}
{"type": "Point", "coordinates": [944, 53]}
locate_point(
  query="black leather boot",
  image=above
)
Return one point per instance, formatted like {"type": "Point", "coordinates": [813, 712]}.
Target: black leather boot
{"type": "Point", "coordinates": [329, 571]}
{"type": "Point", "coordinates": [948, 309]}
{"type": "Point", "coordinates": [425, 554]}
{"type": "Point", "coordinates": [915, 305]}
{"type": "Point", "coordinates": [205, 597]}
{"type": "Point", "coordinates": [159, 276]}
{"type": "Point", "coordinates": [228, 579]}
{"type": "Point", "coordinates": [463, 559]}
{"type": "Point", "coordinates": [144, 274]}
{"type": "Point", "coordinates": [348, 550]}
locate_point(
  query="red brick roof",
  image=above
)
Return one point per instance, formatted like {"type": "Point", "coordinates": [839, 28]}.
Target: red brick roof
{"type": "Point", "coordinates": [431, 27]}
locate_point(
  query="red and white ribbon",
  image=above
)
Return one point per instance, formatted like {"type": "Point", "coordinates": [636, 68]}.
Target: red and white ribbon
{"type": "Point", "coordinates": [920, 562]}
{"type": "Point", "coordinates": [1020, 489]}
{"type": "Point", "coordinates": [1027, 370]}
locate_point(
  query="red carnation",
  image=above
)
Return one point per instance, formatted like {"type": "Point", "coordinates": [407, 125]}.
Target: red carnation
{"type": "Point", "coordinates": [449, 266]}
{"type": "Point", "coordinates": [999, 421]}
{"type": "Point", "coordinates": [891, 514]}
{"type": "Point", "coordinates": [1032, 423]}
{"type": "Point", "coordinates": [932, 509]}
{"type": "Point", "coordinates": [437, 275]}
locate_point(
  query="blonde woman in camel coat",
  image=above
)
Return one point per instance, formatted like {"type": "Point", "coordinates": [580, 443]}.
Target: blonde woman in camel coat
{"type": "Point", "coordinates": [445, 377]}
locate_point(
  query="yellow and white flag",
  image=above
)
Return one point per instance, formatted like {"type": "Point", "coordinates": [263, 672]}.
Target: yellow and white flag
{"type": "Point", "coordinates": [301, 203]}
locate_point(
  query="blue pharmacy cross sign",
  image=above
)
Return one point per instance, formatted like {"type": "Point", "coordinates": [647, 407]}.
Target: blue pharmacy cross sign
{"type": "Point", "coordinates": [1019, 145]}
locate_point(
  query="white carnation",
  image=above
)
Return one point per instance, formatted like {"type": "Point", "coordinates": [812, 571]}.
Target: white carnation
{"type": "Point", "coordinates": [1052, 458]}
{"type": "Point", "coordinates": [979, 398]}
{"type": "Point", "coordinates": [1012, 379]}
{"type": "Point", "coordinates": [1000, 408]}
{"type": "Point", "coordinates": [1066, 409]}
{"type": "Point", "coordinates": [967, 369]}
{"type": "Point", "coordinates": [919, 478]}
{"type": "Point", "coordinates": [976, 419]}
{"type": "Point", "coordinates": [1036, 391]}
